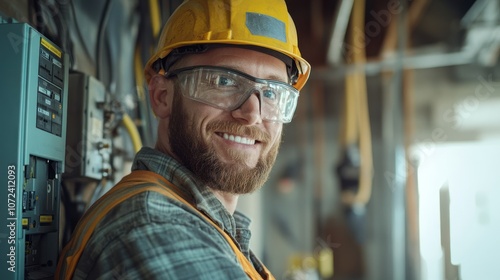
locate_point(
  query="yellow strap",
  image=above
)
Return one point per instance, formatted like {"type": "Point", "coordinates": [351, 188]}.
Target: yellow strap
{"type": "Point", "coordinates": [133, 184]}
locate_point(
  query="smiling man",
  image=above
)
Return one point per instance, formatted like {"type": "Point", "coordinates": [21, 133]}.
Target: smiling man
{"type": "Point", "coordinates": [224, 79]}
{"type": "Point", "coordinates": [231, 151]}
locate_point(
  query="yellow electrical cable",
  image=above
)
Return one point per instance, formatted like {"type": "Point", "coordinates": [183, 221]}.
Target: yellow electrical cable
{"type": "Point", "coordinates": [132, 131]}
{"type": "Point", "coordinates": [139, 75]}
{"type": "Point", "coordinates": [131, 128]}
{"type": "Point", "coordinates": [154, 11]}
{"type": "Point", "coordinates": [357, 122]}
{"type": "Point", "coordinates": [349, 133]}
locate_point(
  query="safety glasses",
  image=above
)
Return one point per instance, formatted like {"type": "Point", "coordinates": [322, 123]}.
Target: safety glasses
{"type": "Point", "coordinates": [228, 89]}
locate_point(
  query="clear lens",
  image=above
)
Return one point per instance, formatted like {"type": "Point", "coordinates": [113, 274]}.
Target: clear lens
{"type": "Point", "coordinates": [228, 89]}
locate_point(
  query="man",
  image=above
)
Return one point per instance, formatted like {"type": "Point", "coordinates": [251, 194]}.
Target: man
{"type": "Point", "coordinates": [225, 78]}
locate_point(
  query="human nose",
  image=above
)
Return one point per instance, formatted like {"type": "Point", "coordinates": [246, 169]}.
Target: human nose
{"type": "Point", "coordinates": [250, 110]}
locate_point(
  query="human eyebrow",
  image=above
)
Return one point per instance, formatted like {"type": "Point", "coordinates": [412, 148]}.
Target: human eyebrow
{"type": "Point", "coordinates": [276, 78]}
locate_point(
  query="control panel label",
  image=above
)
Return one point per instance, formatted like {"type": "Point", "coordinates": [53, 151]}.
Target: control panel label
{"type": "Point", "coordinates": [51, 47]}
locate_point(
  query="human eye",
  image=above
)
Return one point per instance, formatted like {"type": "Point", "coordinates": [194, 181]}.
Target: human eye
{"type": "Point", "coordinates": [223, 81]}
{"type": "Point", "coordinates": [269, 94]}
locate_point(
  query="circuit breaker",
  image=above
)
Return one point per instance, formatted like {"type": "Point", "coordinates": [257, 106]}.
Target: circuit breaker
{"type": "Point", "coordinates": [33, 75]}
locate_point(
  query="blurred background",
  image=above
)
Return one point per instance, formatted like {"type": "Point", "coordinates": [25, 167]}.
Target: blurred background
{"type": "Point", "coordinates": [390, 168]}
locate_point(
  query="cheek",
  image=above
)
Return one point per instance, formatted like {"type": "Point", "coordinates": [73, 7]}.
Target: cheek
{"type": "Point", "coordinates": [199, 116]}
{"type": "Point", "coordinates": [275, 130]}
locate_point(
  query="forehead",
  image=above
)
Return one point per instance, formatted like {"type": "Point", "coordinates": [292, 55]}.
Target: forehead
{"type": "Point", "coordinates": [254, 63]}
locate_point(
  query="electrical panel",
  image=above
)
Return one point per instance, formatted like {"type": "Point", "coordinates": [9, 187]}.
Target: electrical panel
{"type": "Point", "coordinates": [88, 148]}
{"type": "Point", "coordinates": [33, 75]}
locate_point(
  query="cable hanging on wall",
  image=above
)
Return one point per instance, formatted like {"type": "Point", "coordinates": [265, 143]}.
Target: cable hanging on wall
{"type": "Point", "coordinates": [355, 169]}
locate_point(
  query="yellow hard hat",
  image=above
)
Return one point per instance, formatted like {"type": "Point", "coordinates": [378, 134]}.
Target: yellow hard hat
{"type": "Point", "coordinates": [260, 24]}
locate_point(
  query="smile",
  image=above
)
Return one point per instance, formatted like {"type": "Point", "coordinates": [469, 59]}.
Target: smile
{"type": "Point", "coordinates": [238, 139]}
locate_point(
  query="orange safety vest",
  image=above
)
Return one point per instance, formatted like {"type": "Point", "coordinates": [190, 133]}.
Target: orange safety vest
{"type": "Point", "coordinates": [137, 182]}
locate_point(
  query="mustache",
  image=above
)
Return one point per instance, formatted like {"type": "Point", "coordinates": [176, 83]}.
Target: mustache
{"type": "Point", "coordinates": [236, 129]}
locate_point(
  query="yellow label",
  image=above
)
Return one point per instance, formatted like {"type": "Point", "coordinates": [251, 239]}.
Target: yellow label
{"type": "Point", "coordinates": [25, 221]}
{"type": "Point", "coordinates": [51, 47]}
{"type": "Point", "coordinates": [45, 219]}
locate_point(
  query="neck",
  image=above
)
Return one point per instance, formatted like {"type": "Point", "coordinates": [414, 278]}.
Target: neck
{"type": "Point", "coordinates": [228, 200]}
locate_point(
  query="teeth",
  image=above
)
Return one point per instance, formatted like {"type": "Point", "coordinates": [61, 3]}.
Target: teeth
{"type": "Point", "coordinates": [239, 139]}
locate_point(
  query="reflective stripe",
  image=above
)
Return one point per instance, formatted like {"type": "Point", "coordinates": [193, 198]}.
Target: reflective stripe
{"type": "Point", "coordinates": [137, 182]}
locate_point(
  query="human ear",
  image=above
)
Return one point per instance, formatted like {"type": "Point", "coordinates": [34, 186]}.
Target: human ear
{"type": "Point", "coordinates": [160, 96]}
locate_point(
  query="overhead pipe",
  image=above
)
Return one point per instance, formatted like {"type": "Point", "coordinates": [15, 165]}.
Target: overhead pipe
{"type": "Point", "coordinates": [340, 23]}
